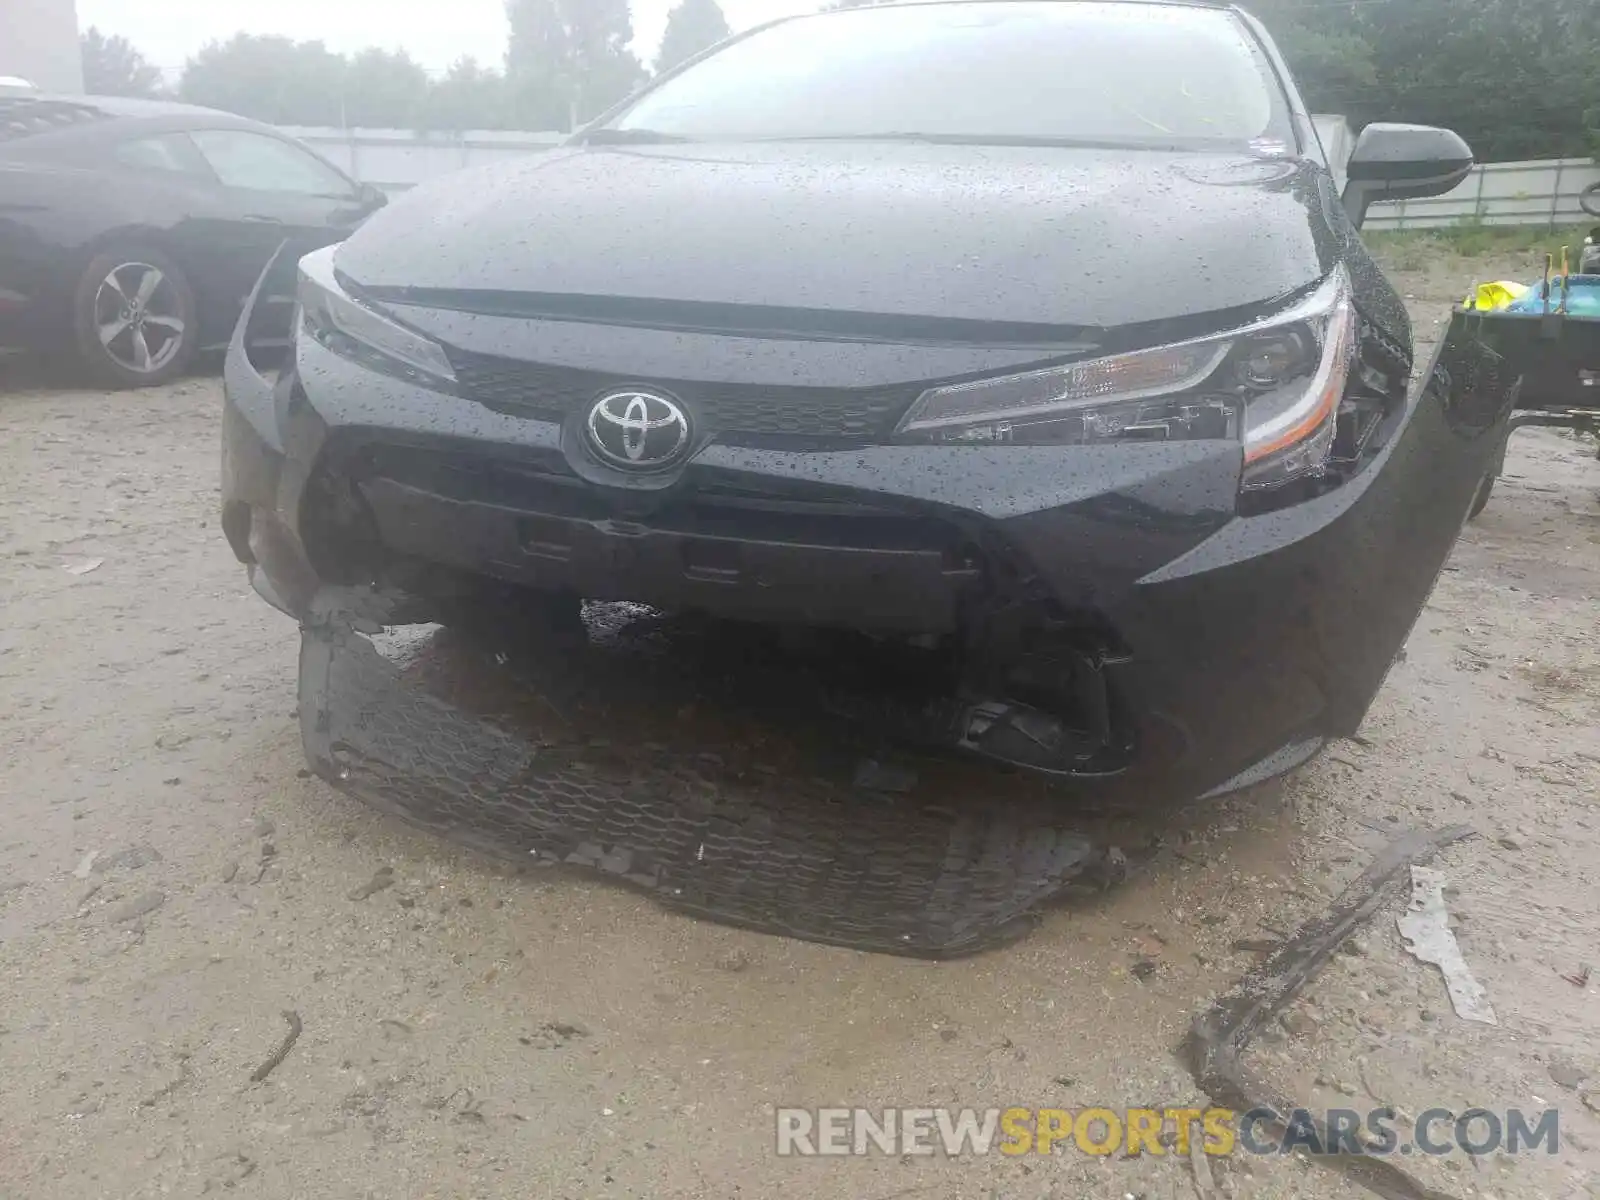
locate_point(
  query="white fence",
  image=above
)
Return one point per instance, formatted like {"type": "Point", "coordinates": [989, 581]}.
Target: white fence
{"type": "Point", "coordinates": [1542, 192]}
{"type": "Point", "coordinates": [1515, 193]}
{"type": "Point", "coordinates": [396, 159]}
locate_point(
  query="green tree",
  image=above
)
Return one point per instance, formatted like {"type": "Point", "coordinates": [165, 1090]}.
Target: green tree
{"type": "Point", "coordinates": [568, 60]}
{"type": "Point", "coordinates": [469, 96]}
{"type": "Point", "coordinates": [384, 90]}
{"type": "Point", "coordinates": [693, 26]}
{"type": "Point", "coordinates": [537, 64]}
{"type": "Point", "coordinates": [270, 79]}
{"type": "Point", "coordinates": [112, 67]}
{"type": "Point", "coordinates": [1514, 77]}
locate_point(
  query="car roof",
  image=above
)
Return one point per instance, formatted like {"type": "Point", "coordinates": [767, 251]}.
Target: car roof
{"type": "Point", "coordinates": [25, 114]}
{"type": "Point", "coordinates": [123, 106]}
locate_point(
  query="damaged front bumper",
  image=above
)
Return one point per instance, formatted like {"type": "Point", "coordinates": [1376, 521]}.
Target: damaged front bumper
{"type": "Point", "coordinates": [1219, 650]}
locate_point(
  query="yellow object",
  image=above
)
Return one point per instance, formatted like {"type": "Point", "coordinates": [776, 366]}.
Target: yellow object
{"type": "Point", "coordinates": [1496, 295]}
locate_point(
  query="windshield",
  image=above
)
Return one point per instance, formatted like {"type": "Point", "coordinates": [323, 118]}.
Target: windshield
{"type": "Point", "coordinates": [1047, 71]}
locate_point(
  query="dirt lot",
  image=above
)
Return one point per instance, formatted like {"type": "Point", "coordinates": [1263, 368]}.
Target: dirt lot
{"type": "Point", "coordinates": [171, 881]}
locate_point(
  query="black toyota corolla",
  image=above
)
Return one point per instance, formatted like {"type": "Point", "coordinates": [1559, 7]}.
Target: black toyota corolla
{"type": "Point", "coordinates": [1036, 332]}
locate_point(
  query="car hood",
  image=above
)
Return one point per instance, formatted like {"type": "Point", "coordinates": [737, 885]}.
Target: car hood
{"type": "Point", "coordinates": [1039, 236]}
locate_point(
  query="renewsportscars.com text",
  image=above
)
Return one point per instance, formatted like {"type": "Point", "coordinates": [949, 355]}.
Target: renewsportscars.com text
{"type": "Point", "coordinates": [1158, 1131]}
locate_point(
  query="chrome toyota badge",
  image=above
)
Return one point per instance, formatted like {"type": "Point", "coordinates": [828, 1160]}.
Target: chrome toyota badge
{"type": "Point", "coordinates": [641, 430]}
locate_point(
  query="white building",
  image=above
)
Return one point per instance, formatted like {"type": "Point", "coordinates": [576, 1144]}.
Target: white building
{"type": "Point", "coordinates": [39, 43]}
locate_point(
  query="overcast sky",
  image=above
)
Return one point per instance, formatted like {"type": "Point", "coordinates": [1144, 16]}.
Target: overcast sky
{"type": "Point", "coordinates": [435, 32]}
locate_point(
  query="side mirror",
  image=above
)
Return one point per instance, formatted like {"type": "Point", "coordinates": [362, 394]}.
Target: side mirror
{"type": "Point", "coordinates": [1403, 162]}
{"type": "Point", "coordinates": [371, 197]}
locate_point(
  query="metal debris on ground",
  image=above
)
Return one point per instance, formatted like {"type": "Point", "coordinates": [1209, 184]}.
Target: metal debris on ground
{"type": "Point", "coordinates": [1425, 928]}
{"type": "Point", "coordinates": [185, 1075]}
{"type": "Point", "coordinates": [1219, 1037]}
{"type": "Point", "coordinates": [275, 1059]}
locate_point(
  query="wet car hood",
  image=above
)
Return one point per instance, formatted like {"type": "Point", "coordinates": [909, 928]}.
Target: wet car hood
{"type": "Point", "coordinates": [1061, 237]}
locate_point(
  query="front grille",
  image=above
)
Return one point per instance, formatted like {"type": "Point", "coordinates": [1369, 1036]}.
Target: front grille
{"type": "Point", "coordinates": [543, 489]}
{"type": "Point", "coordinates": [548, 500]}
{"type": "Point", "coordinates": [733, 411]}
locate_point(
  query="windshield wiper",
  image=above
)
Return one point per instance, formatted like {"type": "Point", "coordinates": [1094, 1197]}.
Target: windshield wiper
{"type": "Point", "coordinates": [628, 137]}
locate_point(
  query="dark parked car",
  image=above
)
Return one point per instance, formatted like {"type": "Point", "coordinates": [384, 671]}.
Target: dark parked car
{"type": "Point", "coordinates": [132, 231]}
{"type": "Point", "coordinates": [1033, 331]}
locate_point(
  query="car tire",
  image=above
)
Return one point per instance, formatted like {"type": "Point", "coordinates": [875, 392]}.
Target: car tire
{"type": "Point", "coordinates": [1481, 499]}
{"type": "Point", "coordinates": [133, 317]}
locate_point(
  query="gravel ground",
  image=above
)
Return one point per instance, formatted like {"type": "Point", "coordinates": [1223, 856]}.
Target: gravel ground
{"type": "Point", "coordinates": [171, 883]}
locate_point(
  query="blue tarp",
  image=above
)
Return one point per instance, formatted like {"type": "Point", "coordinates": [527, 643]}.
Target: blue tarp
{"type": "Point", "coordinates": [1582, 295]}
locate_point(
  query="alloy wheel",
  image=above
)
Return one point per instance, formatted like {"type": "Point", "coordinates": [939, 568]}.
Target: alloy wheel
{"type": "Point", "coordinates": [138, 317]}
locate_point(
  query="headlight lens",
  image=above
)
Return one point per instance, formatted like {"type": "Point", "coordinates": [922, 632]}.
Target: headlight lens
{"type": "Point", "coordinates": [355, 331]}
{"type": "Point", "coordinates": [1274, 387]}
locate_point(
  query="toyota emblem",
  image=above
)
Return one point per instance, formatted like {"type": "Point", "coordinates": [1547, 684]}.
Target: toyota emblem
{"type": "Point", "coordinates": [641, 430]}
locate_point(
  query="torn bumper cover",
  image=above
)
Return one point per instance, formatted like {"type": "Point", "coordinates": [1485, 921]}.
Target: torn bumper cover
{"type": "Point", "coordinates": [874, 872]}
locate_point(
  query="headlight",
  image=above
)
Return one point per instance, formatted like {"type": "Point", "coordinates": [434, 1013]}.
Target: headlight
{"type": "Point", "coordinates": [1274, 387]}
{"type": "Point", "coordinates": [362, 334]}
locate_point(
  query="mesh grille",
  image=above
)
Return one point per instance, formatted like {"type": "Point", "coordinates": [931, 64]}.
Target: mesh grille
{"type": "Point", "coordinates": [550, 393]}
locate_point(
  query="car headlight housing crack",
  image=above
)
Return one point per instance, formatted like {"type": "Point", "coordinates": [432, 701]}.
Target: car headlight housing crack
{"type": "Point", "coordinates": [361, 333]}
{"type": "Point", "coordinates": [1273, 386]}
